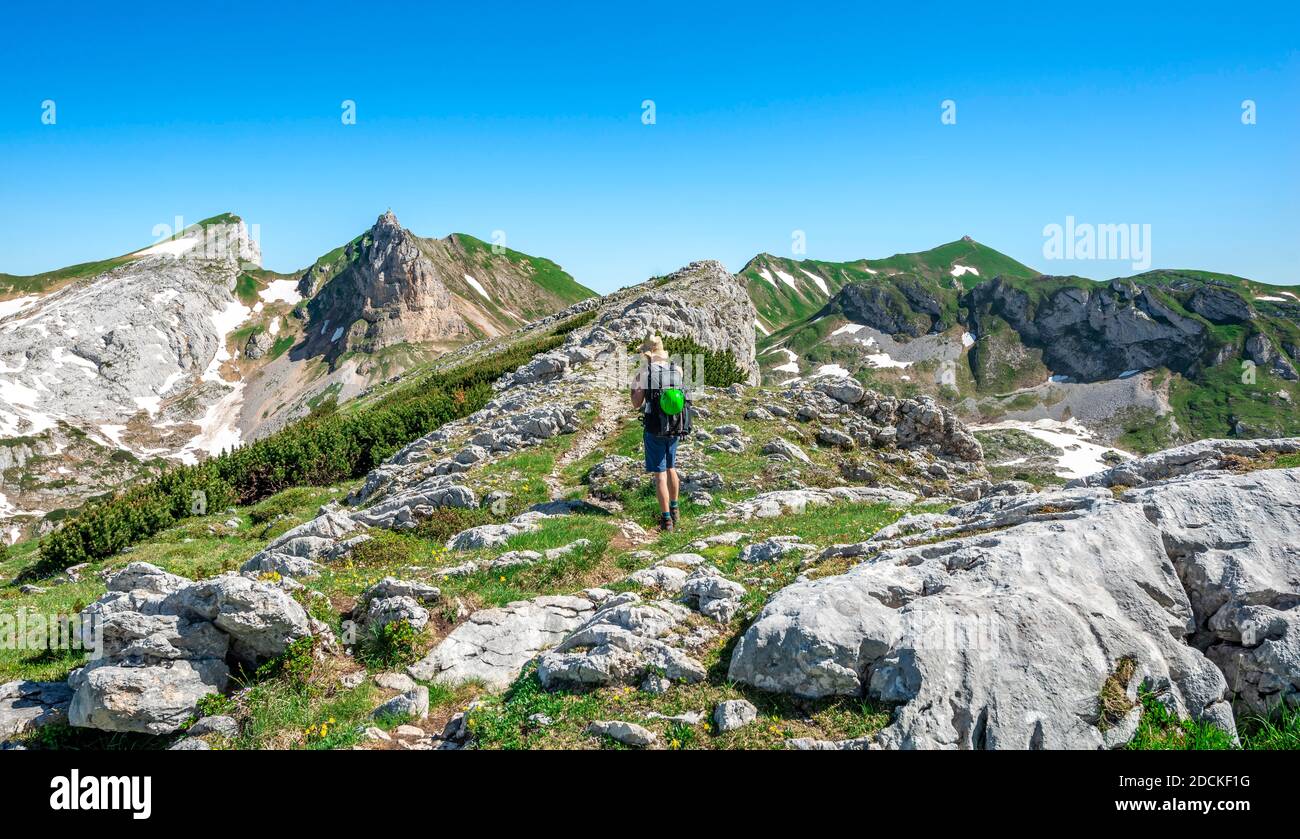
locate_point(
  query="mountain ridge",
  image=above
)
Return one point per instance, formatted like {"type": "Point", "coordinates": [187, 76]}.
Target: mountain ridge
{"type": "Point", "coordinates": [199, 348]}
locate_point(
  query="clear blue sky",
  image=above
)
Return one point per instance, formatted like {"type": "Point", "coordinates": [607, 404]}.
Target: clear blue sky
{"type": "Point", "coordinates": [770, 118]}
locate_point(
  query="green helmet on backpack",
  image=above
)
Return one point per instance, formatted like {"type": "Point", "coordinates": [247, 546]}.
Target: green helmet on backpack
{"type": "Point", "coordinates": [672, 401]}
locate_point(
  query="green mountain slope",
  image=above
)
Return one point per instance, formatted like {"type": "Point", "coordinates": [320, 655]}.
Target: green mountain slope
{"type": "Point", "coordinates": [986, 340]}
{"type": "Point", "coordinates": [786, 290]}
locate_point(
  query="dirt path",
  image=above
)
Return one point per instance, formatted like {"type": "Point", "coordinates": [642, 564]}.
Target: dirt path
{"type": "Point", "coordinates": [611, 406]}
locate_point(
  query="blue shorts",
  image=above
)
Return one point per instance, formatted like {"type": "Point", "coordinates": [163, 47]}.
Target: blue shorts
{"type": "Point", "coordinates": [660, 452]}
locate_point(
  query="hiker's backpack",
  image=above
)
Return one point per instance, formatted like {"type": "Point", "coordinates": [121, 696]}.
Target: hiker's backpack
{"type": "Point", "coordinates": [665, 391]}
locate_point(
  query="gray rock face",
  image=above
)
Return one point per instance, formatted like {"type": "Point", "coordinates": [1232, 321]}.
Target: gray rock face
{"type": "Point", "coordinates": [702, 300]}
{"type": "Point", "coordinates": [842, 389]}
{"type": "Point", "coordinates": [1003, 639]}
{"type": "Point", "coordinates": [493, 645]}
{"type": "Point", "coordinates": [1260, 350]}
{"type": "Point", "coordinates": [495, 535]}
{"type": "Point", "coordinates": [165, 641]}
{"type": "Point", "coordinates": [783, 449]}
{"type": "Point", "coordinates": [260, 620]}
{"type": "Point", "coordinates": [99, 345]}
{"type": "Point", "coordinates": [664, 577]}
{"type": "Point", "coordinates": [734, 714]}
{"type": "Point", "coordinates": [397, 287]}
{"type": "Point", "coordinates": [1219, 305]}
{"type": "Point", "coordinates": [795, 501]}
{"type": "Point", "coordinates": [156, 699]}
{"type": "Point", "coordinates": [872, 304]}
{"type": "Point", "coordinates": [772, 549]}
{"type": "Point", "coordinates": [627, 733]}
{"type": "Point", "coordinates": [622, 643]}
{"type": "Point", "coordinates": [298, 552]}
{"type": "Point", "coordinates": [848, 415]}
{"type": "Point", "coordinates": [221, 725]}
{"type": "Point", "coordinates": [26, 706]}
{"type": "Point", "coordinates": [712, 595]}
{"type": "Point", "coordinates": [404, 509]}
{"type": "Point", "coordinates": [258, 345]}
{"type": "Point", "coordinates": [1095, 334]}
{"type": "Point", "coordinates": [411, 705]}
{"type": "Point", "coordinates": [391, 600]}
{"type": "Point", "coordinates": [1201, 456]}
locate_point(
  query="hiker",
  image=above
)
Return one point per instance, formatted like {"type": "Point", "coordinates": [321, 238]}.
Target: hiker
{"type": "Point", "coordinates": [658, 389]}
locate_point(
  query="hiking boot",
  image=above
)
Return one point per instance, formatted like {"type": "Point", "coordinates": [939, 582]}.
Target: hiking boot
{"type": "Point", "coordinates": [665, 525]}
{"type": "Point", "coordinates": [677, 516]}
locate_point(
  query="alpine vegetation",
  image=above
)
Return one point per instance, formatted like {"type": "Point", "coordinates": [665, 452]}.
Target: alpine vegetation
{"type": "Point", "coordinates": [849, 536]}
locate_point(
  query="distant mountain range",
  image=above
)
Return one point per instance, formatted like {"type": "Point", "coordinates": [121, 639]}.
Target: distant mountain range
{"type": "Point", "coordinates": [1147, 361]}
{"type": "Point", "coordinates": [113, 369]}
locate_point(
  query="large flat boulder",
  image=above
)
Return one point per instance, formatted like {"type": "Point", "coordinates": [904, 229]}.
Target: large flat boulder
{"type": "Point", "coordinates": [1005, 638]}
{"type": "Point", "coordinates": [152, 699]}
{"type": "Point", "coordinates": [493, 645]}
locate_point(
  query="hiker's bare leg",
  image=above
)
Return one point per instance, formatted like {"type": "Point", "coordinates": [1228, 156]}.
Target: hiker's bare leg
{"type": "Point", "coordinates": [674, 485]}
{"type": "Point", "coordinates": [661, 489]}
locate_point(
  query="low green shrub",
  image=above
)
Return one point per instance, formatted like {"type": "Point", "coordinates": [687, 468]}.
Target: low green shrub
{"type": "Point", "coordinates": [393, 645]}
{"type": "Point", "coordinates": [720, 366]}
{"type": "Point", "coordinates": [320, 451]}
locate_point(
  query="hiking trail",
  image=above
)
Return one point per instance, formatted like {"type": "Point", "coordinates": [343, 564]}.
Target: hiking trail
{"type": "Point", "coordinates": [612, 405]}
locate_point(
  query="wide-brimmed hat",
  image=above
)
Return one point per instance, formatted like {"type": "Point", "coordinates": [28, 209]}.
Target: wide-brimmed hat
{"type": "Point", "coordinates": [653, 346]}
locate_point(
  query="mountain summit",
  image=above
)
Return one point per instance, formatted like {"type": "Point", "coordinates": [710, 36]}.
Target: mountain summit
{"type": "Point", "coordinates": [187, 347]}
{"type": "Point", "coordinates": [391, 287]}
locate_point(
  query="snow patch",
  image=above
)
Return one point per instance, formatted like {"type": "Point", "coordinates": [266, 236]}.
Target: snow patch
{"type": "Point", "coordinates": [225, 321]}
{"type": "Point", "coordinates": [786, 278]}
{"type": "Point", "coordinates": [172, 247]}
{"type": "Point", "coordinates": [148, 403]}
{"type": "Point", "coordinates": [478, 287]}
{"type": "Point", "coordinates": [218, 429]}
{"type": "Point", "coordinates": [113, 433]}
{"type": "Point", "coordinates": [759, 326]}
{"type": "Point", "coordinates": [61, 356]}
{"type": "Point", "coordinates": [830, 370]}
{"type": "Point", "coordinates": [967, 340]}
{"type": "Point", "coordinates": [283, 291]}
{"type": "Point", "coordinates": [762, 272]}
{"type": "Point", "coordinates": [883, 360]}
{"type": "Point", "coordinates": [1079, 457]}
{"type": "Point", "coordinates": [818, 280]}
{"type": "Point", "coordinates": [958, 270]}
{"type": "Point", "coordinates": [791, 364]}
{"type": "Point", "coordinates": [16, 305]}
{"type": "Point", "coordinates": [848, 329]}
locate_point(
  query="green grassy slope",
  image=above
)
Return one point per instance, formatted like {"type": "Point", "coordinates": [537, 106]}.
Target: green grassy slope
{"type": "Point", "coordinates": [547, 274]}
{"type": "Point", "coordinates": [780, 302]}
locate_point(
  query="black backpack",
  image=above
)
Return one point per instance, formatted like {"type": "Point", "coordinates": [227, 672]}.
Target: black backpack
{"type": "Point", "coordinates": [663, 377]}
